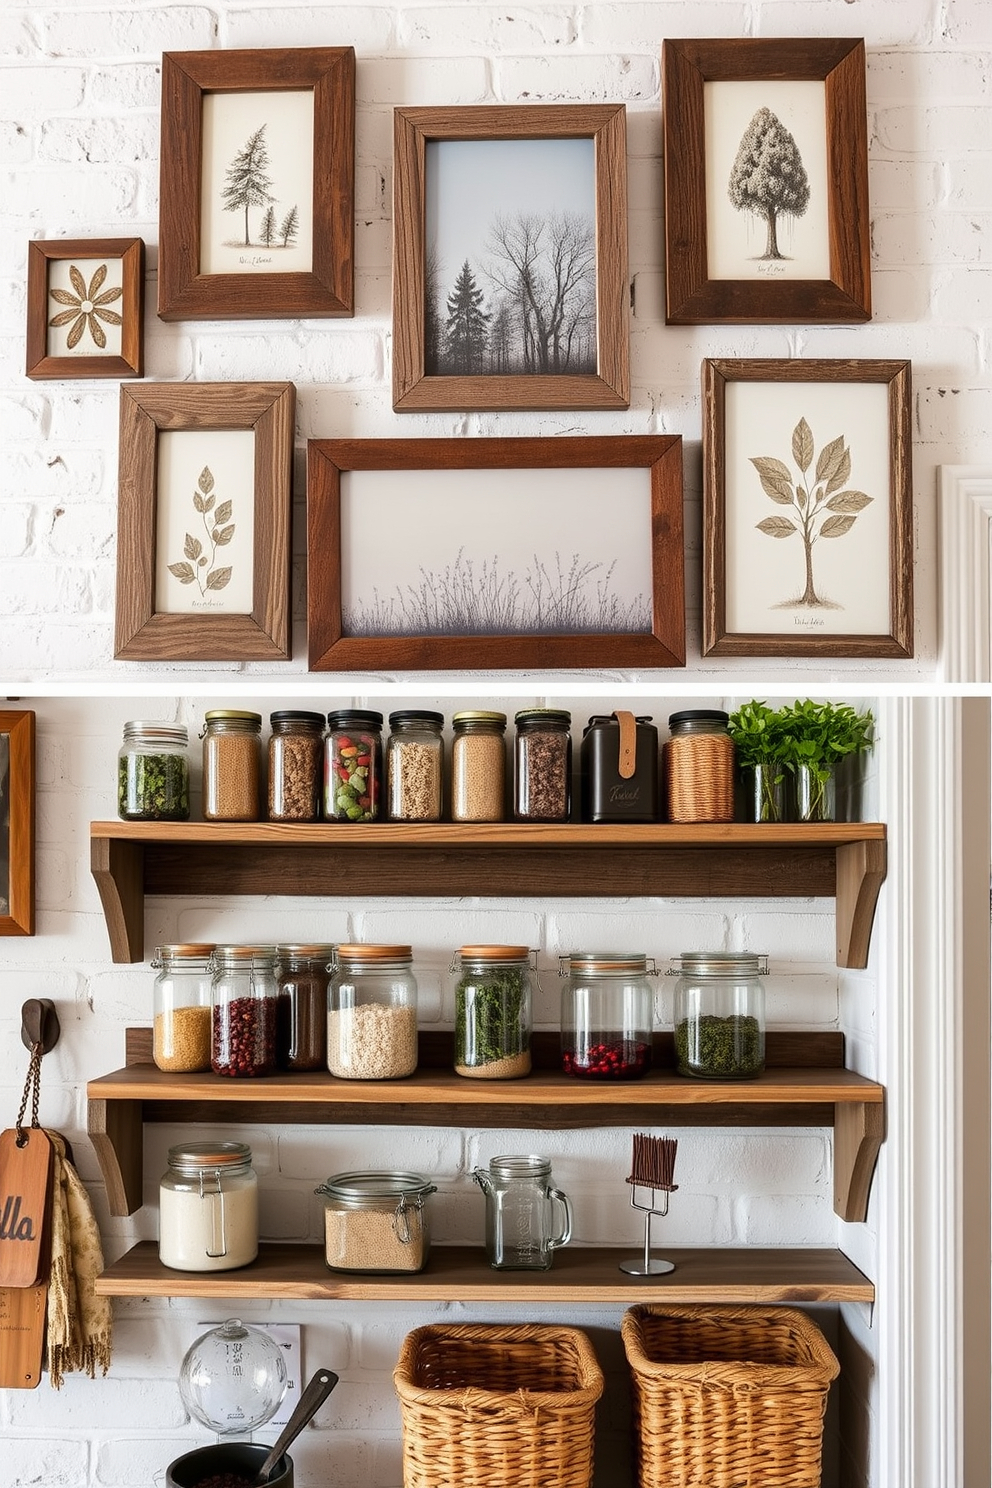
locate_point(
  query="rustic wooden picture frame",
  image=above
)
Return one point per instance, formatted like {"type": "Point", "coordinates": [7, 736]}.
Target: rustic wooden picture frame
{"type": "Point", "coordinates": [86, 257]}
{"type": "Point", "coordinates": [330, 649]}
{"type": "Point", "coordinates": [609, 385]}
{"type": "Point", "coordinates": [691, 298]}
{"type": "Point", "coordinates": [17, 820]}
{"type": "Point", "coordinates": [895, 436]}
{"type": "Point", "coordinates": [145, 634]}
{"type": "Point", "coordinates": [327, 289]}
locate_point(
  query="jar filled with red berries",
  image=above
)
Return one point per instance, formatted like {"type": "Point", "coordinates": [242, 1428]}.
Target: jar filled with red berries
{"type": "Point", "coordinates": [244, 994]}
{"type": "Point", "coordinates": [607, 1014]}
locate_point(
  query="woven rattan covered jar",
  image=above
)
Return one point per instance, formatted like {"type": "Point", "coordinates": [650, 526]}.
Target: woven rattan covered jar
{"type": "Point", "coordinates": [697, 764]}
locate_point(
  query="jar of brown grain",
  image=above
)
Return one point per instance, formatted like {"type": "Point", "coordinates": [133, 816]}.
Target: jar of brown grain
{"type": "Point", "coordinates": [697, 764]}
{"type": "Point", "coordinates": [231, 764]}
{"type": "Point", "coordinates": [478, 766]}
{"type": "Point", "coordinates": [181, 997]}
{"type": "Point", "coordinates": [296, 765]}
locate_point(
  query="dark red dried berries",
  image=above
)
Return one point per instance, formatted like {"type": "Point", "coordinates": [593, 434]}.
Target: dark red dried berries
{"type": "Point", "coordinates": [224, 1480]}
{"type": "Point", "coordinates": [244, 1037]}
{"type": "Point", "coordinates": [620, 1059]}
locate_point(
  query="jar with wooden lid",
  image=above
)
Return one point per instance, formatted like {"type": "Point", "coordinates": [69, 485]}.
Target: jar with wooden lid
{"type": "Point", "coordinates": [607, 1014]}
{"type": "Point", "coordinates": [720, 1014]}
{"type": "Point", "coordinates": [182, 1001]}
{"type": "Point", "coordinates": [296, 759]}
{"type": "Point", "coordinates": [415, 765]}
{"type": "Point", "coordinates": [698, 767]}
{"type": "Point", "coordinates": [478, 766]}
{"type": "Point", "coordinates": [542, 765]}
{"type": "Point", "coordinates": [353, 765]}
{"type": "Point", "coordinates": [231, 764]}
{"type": "Point", "coordinates": [493, 1017]}
{"type": "Point", "coordinates": [376, 1221]}
{"type": "Point", "coordinates": [372, 1013]}
{"type": "Point", "coordinates": [244, 993]}
{"type": "Point", "coordinates": [208, 1207]}
{"type": "Point", "coordinates": [153, 772]}
{"type": "Point", "coordinates": [301, 1007]}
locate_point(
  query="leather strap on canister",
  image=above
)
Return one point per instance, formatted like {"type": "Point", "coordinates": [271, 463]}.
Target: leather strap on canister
{"type": "Point", "coordinates": [627, 761]}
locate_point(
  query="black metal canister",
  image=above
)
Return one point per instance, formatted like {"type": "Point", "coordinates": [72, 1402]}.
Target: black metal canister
{"type": "Point", "coordinates": [619, 769]}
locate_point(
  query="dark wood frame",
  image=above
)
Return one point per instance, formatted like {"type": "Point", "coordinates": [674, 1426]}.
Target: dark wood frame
{"type": "Point", "coordinates": [331, 650]}
{"type": "Point", "coordinates": [328, 288]}
{"type": "Point", "coordinates": [131, 252]}
{"type": "Point", "coordinates": [144, 634]}
{"type": "Point", "coordinates": [609, 385]}
{"type": "Point", "coordinates": [19, 726]}
{"type": "Point", "coordinates": [717, 640]}
{"type": "Point", "coordinates": [690, 297]}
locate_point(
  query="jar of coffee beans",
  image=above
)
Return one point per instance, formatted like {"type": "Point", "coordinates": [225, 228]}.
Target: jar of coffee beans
{"type": "Point", "coordinates": [607, 1014]}
{"type": "Point", "coordinates": [478, 766]}
{"type": "Point", "coordinates": [372, 1013]}
{"type": "Point", "coordinates": [153, 772]}
{"type": "Point", "coordinates": [296, 756]}
{"type": "Point", "coordinates": [414, 765]}
{"type": "Point", "coordinates": [353, 765]}
{"type": "Point", "coordinates": [542, 765]}
{"type": "Point", "coordinates": [301, 1021]}
{"type": "Point", "coordinates": [182, 1000]}
{"type": "Point", "coordinates": [231, 764]}
{"type": "Point", "coordinates": [244, 993]}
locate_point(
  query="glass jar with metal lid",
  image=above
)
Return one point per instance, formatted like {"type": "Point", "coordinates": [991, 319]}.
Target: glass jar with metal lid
{"type": "Point", "coordinates": [353, 765]}
{"type": "Point", "coordinates": [720, 1014]}
{"type": "Point", "coordinates": [301, 1009]}
{"type": "Point", "coordinates": [493, 1001]}
{"type": "Point", "coordinates": [244, 993]}
{"type": "Point", "coordinates": [697, 764]}
{"type": "Point", "coordinates": [372, 1013]}
{"type": "Point", "coordinates": [231, 764]}
{"type": "Point", "coordinates": [607, 1014]}
{"type": "Point", "coordinates": [153, 772]}
{"type": "Point", "coordinates": [478, 766]}
{"type": "Point", "coordinates": [182, 999]}
{"type": "Point", "coordinates": [415, 765]}
{"type": "Point", "coordinates": [376, 1221]}
{"type": "Point", "coordinates": [208, 1207]}
{"type": "Point", "coordinates": [542, 765]}
{"type": "Point", "coordinates": [296, 760]}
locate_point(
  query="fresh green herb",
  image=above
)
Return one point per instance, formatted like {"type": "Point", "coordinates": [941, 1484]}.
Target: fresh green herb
{"type": "Point", "coordinates": [720, 1048]}
{"type": "Point", "coordinates": [758, 735]}
{"type": "Point", "coordinates": [153, 787]}
{"type": "Point", "coordinates": [488, 1025]}
{"type": "Point", "coordinates": [817, 736]}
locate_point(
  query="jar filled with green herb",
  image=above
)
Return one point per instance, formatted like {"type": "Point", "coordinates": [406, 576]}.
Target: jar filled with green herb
{"type": "Point", "coordinates": [153, 772]}
{"type": "Point", "coordinates": [720, 1014]}
{"type": "Point", "coordinates": [493, 1011]}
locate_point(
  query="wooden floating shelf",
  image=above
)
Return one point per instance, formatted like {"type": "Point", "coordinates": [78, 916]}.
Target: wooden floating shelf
{"type": "Point", "coordinates": [744, 1274]}
{"type": "Point", "coordinates": [841, 860]}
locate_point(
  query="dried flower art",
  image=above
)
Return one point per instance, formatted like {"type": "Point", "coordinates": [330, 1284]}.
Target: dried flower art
{"type": "Point", "coordinates": [87, 307]}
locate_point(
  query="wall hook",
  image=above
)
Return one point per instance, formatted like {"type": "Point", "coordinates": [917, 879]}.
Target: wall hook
{"type": "Point", "coordinates": [40, 1024]}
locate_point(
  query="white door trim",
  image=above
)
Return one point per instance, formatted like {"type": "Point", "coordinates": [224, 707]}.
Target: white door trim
{"type": "Point", "coordinates": [965, 517]}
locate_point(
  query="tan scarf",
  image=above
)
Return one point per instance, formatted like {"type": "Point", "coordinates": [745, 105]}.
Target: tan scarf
{"type": "Point", "coordinates": [80, 1324]}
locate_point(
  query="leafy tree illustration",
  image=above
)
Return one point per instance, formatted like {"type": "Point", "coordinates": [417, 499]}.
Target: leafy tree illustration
{"type": "Point", "coordinates": [466, 329]}
{"type": "Point", "coordinates": [289, 227]}
{"type": "Point", "coordinates": [768, 177]}
{"type": "Point", "coordinates": [199, 565]}
{"type": "Point", "coordinates": [247, 182]}
{"type": "Point", "coordinates": [824, 506]}
{"type": "Point", "coordinates": [267, 232]}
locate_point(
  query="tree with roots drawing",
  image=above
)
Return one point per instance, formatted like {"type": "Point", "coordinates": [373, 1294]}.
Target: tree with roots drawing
{"type": "Point", "coordinates": [768, 177]}
{"type": "Point", "coordinates": [822, 508]}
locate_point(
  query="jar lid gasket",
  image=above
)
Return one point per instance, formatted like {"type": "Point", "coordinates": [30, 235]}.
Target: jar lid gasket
{"type": "Point", "coordinates": [494, 952]}
{"type": "Point", "coordinates": [721, 963]}
{"type": "Point", "coordinates": [210, 1155]}
{"type": "Point", "coordinates": [607, 962]}
{"type": "Point", "coordinates": [368, 1186]}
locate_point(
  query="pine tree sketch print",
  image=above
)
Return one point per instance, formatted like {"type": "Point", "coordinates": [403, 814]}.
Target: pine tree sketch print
{"type": "Point", "coordinates": [247, 182]}
{"type": "Point", "coordinates": [768, 178]}
{"type": "Point", "coordinates": [198, 564]}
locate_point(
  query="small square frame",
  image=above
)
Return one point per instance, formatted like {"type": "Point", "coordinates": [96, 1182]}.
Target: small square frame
{"type": "Point", "coordinates": [17, 820]}
{"type": "Point", "coordinates": [327, 289]}
{"type": "Point", "coordinates": [40, 363]}
{"type": "Point", "coordinates": [141, 632]}
{"type": "Point", "coordinates": [718, 640]}
{"type": "Point", "coordinates": [609, 385]}
{"type": "Point", "coordinates": [691, 298]}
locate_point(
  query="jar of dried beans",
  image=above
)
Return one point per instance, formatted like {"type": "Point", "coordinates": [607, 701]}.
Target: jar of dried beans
{"type": "Point", "coordinates": [376, 1221]}
{"type": "Point", "coordinates": [478, 766]}
{"type": "Point", "coordinates": [296, 755]}
{"type": "Point", "coordinates": [182, 998]}
{"type": "Point", "coordinates": [697, 765]}
{"type": "Point", "coordinates": [606, 1014]}
{"type": "Point", "coordinates": [231, 764]}
{"type": "Point", "coordinates": [414, 765]}
{"type": "Point", "coordinates": [301, 1012]}
{"type": "Point", "coordinates": [244, 993]}
{"type": "Point", "coordinates": [153, 772]}
{"type": "Point", "coordinates": [372, 1013]}
{"type": "Point", "coordinates": [542, 765]}
{"type": "Point", "coordinates": [493, 1000]}
{"type": "Point", "coordinates": [353, 765]}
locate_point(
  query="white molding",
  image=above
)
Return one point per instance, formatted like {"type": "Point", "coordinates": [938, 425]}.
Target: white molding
{"type": "Point", "coordinates": [965, 516]}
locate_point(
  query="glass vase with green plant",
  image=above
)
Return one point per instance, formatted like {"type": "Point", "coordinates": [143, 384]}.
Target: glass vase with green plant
{"type": "Point", "coordinates": [816, 737]}
{"type": "Point", "coordinates": [756, 730]}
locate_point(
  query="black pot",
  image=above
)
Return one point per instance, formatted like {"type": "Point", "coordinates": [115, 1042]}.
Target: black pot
{"type": "Point", "coordinates": [241, 1458]}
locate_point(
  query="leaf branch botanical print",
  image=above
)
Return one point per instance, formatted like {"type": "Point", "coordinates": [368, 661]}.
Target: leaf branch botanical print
{"type": "Point", "coordinates": [199, 565]}
{"type": "Point", "coordinates": [823, 506]}
{"type": "Point", "coordinates": [87, 307]}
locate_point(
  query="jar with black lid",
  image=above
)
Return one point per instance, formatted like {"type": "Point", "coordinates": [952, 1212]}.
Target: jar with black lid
{"type": "Point", "coordinates": [301, 1007]}
{"type": "Point", "coordinates": [153, 772]}
{"type": "Point", "coordinates": [232, 764]}
{"type": "Point", "coordinates": [296, 755]}
{"type": "Point", "coordinates": [415, 765]}
{"type": "Point", "coordinates": [698, 767]}
{"type": "Point", "coordinates": [542, 765]}
{"type": "Point", "coordinates": [607, 1014]}
{"type": "Point", "coordinates": [478, 766]}
{"type": "Point", "coordinates": [353, 765]}
{"type": "Point", "coordinates": [619, 769]}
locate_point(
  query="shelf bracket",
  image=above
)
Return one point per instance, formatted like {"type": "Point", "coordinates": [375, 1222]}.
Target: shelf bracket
{"type": "Point", "coordinates": [859, 1128]}
{"type": "Point", "coordinates": [115, 1128]}
{"type": "Point", "coordinates": [119, 870]}
{"type": "Point", "coordinates": [861, 868]}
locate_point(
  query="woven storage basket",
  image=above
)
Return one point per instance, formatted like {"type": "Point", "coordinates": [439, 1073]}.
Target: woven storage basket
{"type": "Point", "coordinates": [487, 1406]}
{"type": "Point", "coordinates": [727, 1397]}
{"type": "Point", "coordinates": [698, 775]}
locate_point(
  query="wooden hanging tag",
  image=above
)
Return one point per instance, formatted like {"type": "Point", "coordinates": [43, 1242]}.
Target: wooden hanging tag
{"type": "Point", "coordinates": [25, 1180]}
{"type": "Point", "coordinates": [22, 1335]}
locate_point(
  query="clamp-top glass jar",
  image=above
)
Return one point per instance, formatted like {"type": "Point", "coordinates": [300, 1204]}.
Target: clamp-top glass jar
{"type": "Point", "coordinates": [208, 1207]}
{"type": "Point", "coordinates": [542, 765]}
{"type": "Point", "coordinates": [244, 992]}
{"type": "Point", "coordinates": [372, 1013]}
{"type": "Point", "coordinates": [153, 772]}
{"type": "Point", "coordinates": [301, 1010]}
{"type": "Point", "coordinates": [296, 757]}
{"type": "Point", "coordinates": [231, 764]}
{"type": "Point", "coordinates": [478, 766]}
{"type": "Point", "coordinates": [376, 1221]}
{"type": "Point", "coordinates": [697, 764]}
{"type": "Point", "coordinates": [353, 765]}
{"type": "Point", "coordinates": [182, 997]}
{"type": "Point", "coordinates": [720, 1014]}
{"type": "Point", "coordinates": [493, 999]}
{"type": "Point", "coordinates": [607, 1016]}
{"type": "Point", "coordinates": [414, 765]}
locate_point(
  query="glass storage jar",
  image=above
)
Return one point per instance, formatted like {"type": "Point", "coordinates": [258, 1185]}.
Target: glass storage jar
{"type": "Point", "coordinates": [296, 757]}
{"type": "Point", "coordinates": [153, 772]}
{"type": "Point", "coordinates": [542, 765]}
{"type": "Point", "coordinates": [522, 1207]}
{"type": "Point", "coordinates": [231, 764]}
{"type": "Point", "coordinates": [720, 1014]}
{"type": "Point", "coordinates": [619, 768]}
{"type": "Point", "coordinates": [607, 1014]}
{"type": "Point", "coordinates": [414, 765]}
{"type": "Point", "coordinates": [697, 764]}
{"type": "Point", "coordinates": [301, 1008]}
{"type": "Point", "coordinates": [244, 993]}
{"type": "Point", "coordinates": [208, 1207]}
{"type": "Point", "coordinates": [181, 999]}
{"type": "Point", "coordinates": [376, 1221]}
{"type": "Point", "coordinates": [478, 766]}
{"type": "Point", "coordinates": [353, 765]}
{"type": "Point", "coordinates": [372, 1013]}
{"type": "Point", "coordinates": [493, 998]}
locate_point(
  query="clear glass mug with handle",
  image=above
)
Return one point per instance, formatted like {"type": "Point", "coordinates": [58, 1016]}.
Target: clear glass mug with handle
{"type": "Point", "coordinates": [521, 1209]}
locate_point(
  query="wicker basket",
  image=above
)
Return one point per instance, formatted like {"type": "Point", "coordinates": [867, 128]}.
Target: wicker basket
{"type": "Point", "coordinates": [485, 1404]}
{"type": "Point", "coordinates": [727, 1397]}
